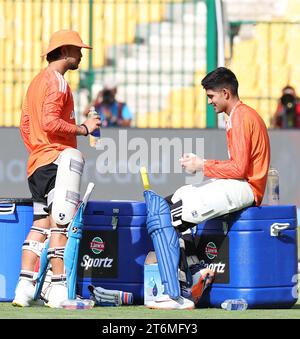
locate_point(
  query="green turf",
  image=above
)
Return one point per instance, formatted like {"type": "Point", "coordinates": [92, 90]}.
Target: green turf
{"type": "Point", "coordinates": [7, 311]}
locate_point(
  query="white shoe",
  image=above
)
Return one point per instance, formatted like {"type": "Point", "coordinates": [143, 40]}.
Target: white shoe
{"type": "Point", "coordinates": [24, 293]}
{"type": "Point", "coordinates": [163, 297]}
{"type": "Point", "coordinates": [167, 303]}
{"type": "Point", "coordinates": [56, 294]}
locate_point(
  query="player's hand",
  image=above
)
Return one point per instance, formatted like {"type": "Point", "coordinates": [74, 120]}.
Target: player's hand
{"type": "Point", "coordinates": [93, 123]}
{"type": "Point", "coordinates": [191, 163]}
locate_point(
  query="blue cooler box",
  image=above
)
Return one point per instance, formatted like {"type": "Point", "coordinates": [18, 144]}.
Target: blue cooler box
{"type": "Point", "coordinates": [254, 255]}
{"type": "Point", "coordinates": [113, 247]}
{"type": "Point", "coordinates": [16, 217]}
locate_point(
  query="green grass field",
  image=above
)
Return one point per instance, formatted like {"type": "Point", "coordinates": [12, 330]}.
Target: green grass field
{"type": "Point", "coordinates": [7, 311]}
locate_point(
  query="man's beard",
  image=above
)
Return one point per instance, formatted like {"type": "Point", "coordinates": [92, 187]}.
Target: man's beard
{"type": "Point", "coordinates": [74, 65]}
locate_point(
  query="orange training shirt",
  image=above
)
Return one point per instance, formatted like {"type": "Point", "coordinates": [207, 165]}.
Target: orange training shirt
{"type": "Point", "coordinates": [249, 151]}
{"type": "Point", "coordinates": [47, 122]}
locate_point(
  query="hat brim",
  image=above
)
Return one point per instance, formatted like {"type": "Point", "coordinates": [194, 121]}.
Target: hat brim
{"type": "Point", "coordinates": [60, 45]}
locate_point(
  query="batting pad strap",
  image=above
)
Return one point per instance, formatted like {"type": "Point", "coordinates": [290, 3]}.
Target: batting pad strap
{"type": "Point", "coordinates": [33, 246]}
{"type": "Point", "coordinates": [59, 230]}
{"type": "Point", "coordinates": [76, 166]}
{"type": "Point", "coordinates": [72, 197]}
{"type": "Point", "coordinates": [43, 231]}
{"type": "Point", "coordinates": [56, 252]}
{"type": "Point", "coordinates": [60, 278]}
{"type": "Point", "coordinates": [28, 275]}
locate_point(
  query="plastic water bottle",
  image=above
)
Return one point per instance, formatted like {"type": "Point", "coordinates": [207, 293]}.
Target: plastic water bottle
{"type": "Point", "coordinates": [273, 186]}
{"type": "Point", "coordinates": [234, 305]}
{"type": "Point", "coordinates": [94, 136]}
{"type": "Point", "coordinates": [78, 304]}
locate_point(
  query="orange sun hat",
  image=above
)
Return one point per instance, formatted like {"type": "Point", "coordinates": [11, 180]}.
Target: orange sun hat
{"type": "Point", "coordinates": [64, 37]}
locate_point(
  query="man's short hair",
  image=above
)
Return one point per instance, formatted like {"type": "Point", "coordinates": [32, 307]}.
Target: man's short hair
{"type": "Point", "coordinates": [221, 77]}
{"type": "Point", "coordinates": [54, 55]}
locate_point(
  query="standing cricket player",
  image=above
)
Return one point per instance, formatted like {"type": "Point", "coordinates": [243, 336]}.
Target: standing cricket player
{"type": "Point", "coordinates": [235, 183]}
{"type": "Point", "coordinates": [54, 166]}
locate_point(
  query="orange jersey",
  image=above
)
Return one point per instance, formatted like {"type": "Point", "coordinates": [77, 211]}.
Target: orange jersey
{"type": "Point", "coordinates": [47, 122]}
{"type": "Point", "coordinates": [249, 151]}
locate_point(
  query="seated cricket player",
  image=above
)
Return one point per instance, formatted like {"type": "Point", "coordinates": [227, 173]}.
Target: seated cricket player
{"type": "Point", "coordinates": [234, 184]}
{"type": "Point", "coordinates": [55, 166]}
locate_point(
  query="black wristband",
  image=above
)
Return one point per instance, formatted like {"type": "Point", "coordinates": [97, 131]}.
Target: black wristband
{"type": "Point", "coordinates": [87, 131]}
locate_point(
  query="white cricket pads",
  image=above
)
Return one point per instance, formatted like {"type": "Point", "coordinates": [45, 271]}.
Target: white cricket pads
{"type": "Point", "coordinates": [66, 193]}
{"type": "Point", "coordinates": [212, 198]}
{"type": "Point", "coordinates": [57, 292]}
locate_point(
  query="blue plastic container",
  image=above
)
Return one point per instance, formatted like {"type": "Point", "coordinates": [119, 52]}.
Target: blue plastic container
{"type": "Point", "coordinates": [16, 217]}
{"type": "Point", "coordinates": [254, 255]}
{"type": "Point", "coordinates": [113, 248]}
